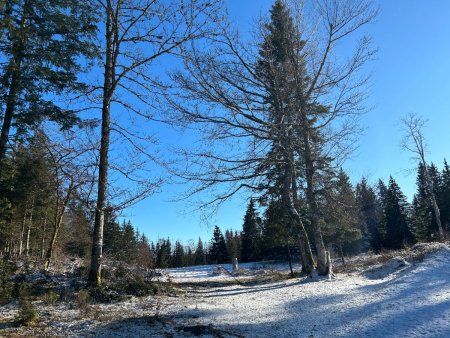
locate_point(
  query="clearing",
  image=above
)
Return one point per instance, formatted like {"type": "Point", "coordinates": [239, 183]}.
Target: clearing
{"type": "Point", "coordinates": [402, 294]}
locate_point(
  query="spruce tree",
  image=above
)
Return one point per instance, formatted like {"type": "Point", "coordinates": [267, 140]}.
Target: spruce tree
{"type": "Point", "coordinates": [251, 235]}
{"type": "Point", "coordinates": [422, 212]}
{"type": "Point", "coordinates": [129, 250]}
{"type": "Point", "coordinates": [282, 69]}
{"type": "Point", "coordinates": [178, 259]}
{"type": "Point", "coordinates": [398, 228]}
{"type": "Point", "coordinates": [113, 235]}
{"type": "Point", "coordinates": [445, 196]}
{"type": "Point", "coordinates": [45, 45]}
{"type": "Point", "coordinates": [199, 255]}
{"type": "Point", "coordinates": [369, 216]}
{"type": "Point", "coordinates": [342, 228]}
{"type": "Point", "coordinates": [163, 253]}
{"type": "Point", "coordinates": [218, 249]}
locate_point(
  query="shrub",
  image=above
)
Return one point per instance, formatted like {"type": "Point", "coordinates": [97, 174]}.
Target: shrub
{"type": "Point", "coordinates": [138, 287]}
{"type": "Point", "coordinates": [27, 312]}
{"type": "Point", "coordinates": [82, 301]}
{"type": "Point", "coordinates": [50, 297]}
{"type": "Point", "coordinates": [7, 269]}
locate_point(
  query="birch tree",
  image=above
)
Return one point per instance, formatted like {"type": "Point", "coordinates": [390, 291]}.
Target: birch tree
{"type": "Point", "coordinates": [414, 141]}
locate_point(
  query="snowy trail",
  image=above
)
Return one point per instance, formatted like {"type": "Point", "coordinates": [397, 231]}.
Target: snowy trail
{"type": "Point", "coordinates": [412, 303]}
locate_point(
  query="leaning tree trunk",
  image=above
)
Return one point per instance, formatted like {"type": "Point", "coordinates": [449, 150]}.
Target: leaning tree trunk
{"type": "Point", "coordinates": [322, 266]}
{"type": "Point", "coordinates": [305, 249]}
{"type": "Point", "coordinates": [60, 211]}
{"type": "Point", "coordinates": [434, 205]}
{"type": "Point", "coordinates": [437, 214]}
{"type": "Point", "coordinates": [289, 255]}
{"type": "Point", "coordinates": [97, 245]}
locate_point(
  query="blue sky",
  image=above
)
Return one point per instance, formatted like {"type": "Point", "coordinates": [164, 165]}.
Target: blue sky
{"type": "Point", "coordinates": [411, 74]}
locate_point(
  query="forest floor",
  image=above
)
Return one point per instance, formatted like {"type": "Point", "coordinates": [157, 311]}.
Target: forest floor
{"type": "Point", "coordinates": [396, 294]}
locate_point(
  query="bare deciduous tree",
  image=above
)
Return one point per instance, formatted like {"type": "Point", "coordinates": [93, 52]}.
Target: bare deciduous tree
{"type": "Point", "coordinates": [137, 33]}
{"type": "Point", "coordinates": [74, 173]}
{"type": "Point", "coordinates": [413, 126]}
{"type": "Point", "coordinates": [279, 111]}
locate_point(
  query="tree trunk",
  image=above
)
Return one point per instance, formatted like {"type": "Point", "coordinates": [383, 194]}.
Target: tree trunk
{"type": "Point", "coordinates": [9, 112]}
{"type": "Point", "coordinates": [434, 205]}
{"type": "Point", "coordinates": [97, 245]}
{"type": "Point", "coordinates": [288, 251]}
{"type": "Point", "coordinates": [51, 247]}
{"type": "Point", "coordinates": [43, 236]}
{"type": "Point", "coordinates": [59, 215]}
{"type": "Point", "coordinates": [322, 267]}
{"type": "Point", "coordinates": [30, 221]}
{"type": "Point", "coordinates": [22, 232]}
{"type": "Point", "coordinates": [14, 87]}
{"type": "Point", "coordinates": [305, 249]}
{"type": "Point", "coordinates": [341, 252]}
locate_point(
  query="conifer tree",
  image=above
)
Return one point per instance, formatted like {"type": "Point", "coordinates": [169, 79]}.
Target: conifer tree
{"type": "Point", "coordinates": [251, 235]}
{"type": "Point", "coordinates": [145, 254]}
{"type": "Point", "coordinates": [113, 235]}
{"type": "Point", "coordinates": [178, 259]}
{"type": "Point", "coordinates": [422, 212]}
{"type": "Point", "coordinates": [129, 250]}
{"type": "Point", "coordinates": [163, 253]}
{"type": "Point", "coordinates": [342, 228]}
{"type": "Point", "coordinates": [218, 249]}
{"type": "Point", "coordinates": [232, 240]}
{"type": "Point", "coordinates": [200, 255]}
{"type": "Point", "coordinates": [398, 228]}
{"type": "Point", "coordinates": [445, 196]}
{"type": "Point", "coordinates": [43, 49]}
{"type": "Point", "coordinates": [278, 236]}
{"type": "Point", "coordinates": [369, 216]}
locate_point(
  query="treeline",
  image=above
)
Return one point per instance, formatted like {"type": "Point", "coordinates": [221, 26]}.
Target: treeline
{"type": "Point", "coordinates": [51, 55]}
{"type": "Point", "coordinates": [42, 209]}
{"type": "Point", "coordinates": [354, 219]}
{"type": "Point", "coordinates": [276, 115]}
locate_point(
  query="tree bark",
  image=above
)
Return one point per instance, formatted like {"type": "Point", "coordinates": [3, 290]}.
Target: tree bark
{"type": "Point", "coordinates": [434, 205]}
{"type": "Point", "coordinates": [30, 221]}
{"type": "Point", "coordinates": [44, 226]}
{"type": "Point", "coordinates": [22, 232]}
{"type": "Point", "coordinates": [341, 252]}
{"type": "Point", "coordinates": [97, 245]}
{"type": "Point", "coordinates": [305, 249]}
{"type": "Point", "coordinates": [322, 267]}
{"type": "Point", "coordinates": [288, 251]}
{"type": "Point", "coordinates": [59, 215]}
{"type": "Point", "coordinates": [14, 87]}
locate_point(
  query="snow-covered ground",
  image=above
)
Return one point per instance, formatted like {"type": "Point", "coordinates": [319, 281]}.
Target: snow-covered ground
{"type": "Point", "coordinates": [394, 299]}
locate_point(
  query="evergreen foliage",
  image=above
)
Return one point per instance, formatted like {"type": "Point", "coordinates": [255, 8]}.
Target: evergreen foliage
{"type": "Point", "coordinates": [45, 46]}
{"type": "Point", "coordinates": [200, 254]}
{"type": "Point", "coordinates": [396, 219]}
{"type": "Point", "coordinates": [369, 216]}
{"type": "Point", "coordinates": [342, 226]}
{"type": "Point", "coordinates": [218, 253]}
{"type": "Point", "coordinates": [251, 235]}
